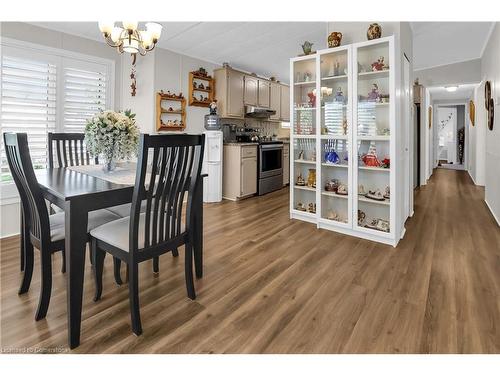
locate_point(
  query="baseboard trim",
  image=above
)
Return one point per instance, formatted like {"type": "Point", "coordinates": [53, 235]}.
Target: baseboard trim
{"type": "Point", "coordinates": [492, 213]}
{"type": "Point", "coordinates": [472, 178]}
{"type": "Point", "coordinates": [5, 236]}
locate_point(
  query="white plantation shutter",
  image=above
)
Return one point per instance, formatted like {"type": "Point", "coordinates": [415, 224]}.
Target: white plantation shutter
{"type": "Point", "coordinates": [49, 91]}
{"type": "Point", "coordinates": [85, 93]}
{"type": "Point", "coordinates": [28, 103]}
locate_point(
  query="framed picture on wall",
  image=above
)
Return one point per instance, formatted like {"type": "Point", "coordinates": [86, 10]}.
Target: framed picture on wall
{"type": "Point", "coordinates": [472, 112]}
{"type": "Point", "coordinates": [430, 116]}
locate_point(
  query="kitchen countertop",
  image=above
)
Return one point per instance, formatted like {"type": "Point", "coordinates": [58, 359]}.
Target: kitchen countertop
{"type": "Point", "coordinates": [239, 144]}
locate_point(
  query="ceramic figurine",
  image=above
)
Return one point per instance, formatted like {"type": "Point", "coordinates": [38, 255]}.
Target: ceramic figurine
{"type": "Point", "coordinates": [386, 163]}
{"type": "Point", "coordinates": [374, 31]}
{"type": "Point", "coordinates": [361, 218]}
{"type": "Point", "coordinates": [379, 65]}
{"type": "Point", "coordinates": [213, 108]}
{"type": "Point", "coordinates": [312, 208]}
{"type": "Point", "coordinates": [307, 47]}
{"type": "Point", "coordinates": [300, 180]}
{"type": "Point", "coordinates": [201, 86]}
{"type": "Point", "coordinates": [370, 159]}
{"type": "Point", "coordinates": [334, 39]}
{"type": "Point", "coordinates": [339, 96]}
{"type": "Point", "coordinates": [387, 194]}
{"type": "Point", "coordinates": [361, 190]}
{"type": "Point", "coordinates": [312, 98]}
{"type": "Point", "coordinates": [375, 195]}
{"type": "Point", "coordinates": [301, 155]}
{"type": "Point", "coordinates": [342, 190]}
{"type": "Point", "coordinates": [311, 178]}
{"type": "Point", "coordinates": [307, 76]}
{"type": "Point", "coordinates": [344, 126]}
{"type": "Point", "coordinates": [201, 98]}
{"type": "Point", "coordinates": [332, 185]}
{"type": "Point", "coordinates": [379, 224]}
{"type": "Point", "coordinates": [301, 207]}
{"type": "Point", "coordinates": [374, 95]}
{"type": "Point", "coordinates": [195, 85]}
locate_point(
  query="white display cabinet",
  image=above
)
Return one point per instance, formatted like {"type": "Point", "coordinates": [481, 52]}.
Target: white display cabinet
{"type": "Point", "coordinates": [343, 138]}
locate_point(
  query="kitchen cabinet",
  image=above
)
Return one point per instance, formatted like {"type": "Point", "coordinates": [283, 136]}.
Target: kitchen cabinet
{"type": "Point", "coordinates": [286, 164]}
{"type": "Point", "coordinates": [285, 104]}
{"type": "Point", "coordinates": [240, 171]}
{"type": "Point", "coordinates": [251, 93]}
{"type": "Point", "coordinates": [264, 93]}
{"type": "Point", "coordinates": [229, 91]}
{"type": "Point", "coordinates": [275, 101]}
{"type": "Point", "coordinates": [235, 89]}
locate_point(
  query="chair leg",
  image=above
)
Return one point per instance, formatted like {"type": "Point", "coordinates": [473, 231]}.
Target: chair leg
{"type": "Point", "coordinates": [22, 245]}
{"type": "Point", "coordinates": [175, 253]}
{"type": "Point", "coordinates": [133, 289]}
{"type": "Point", "coordinates": [116, 269]}
{"type": "Point", "coordinates": [63, 267]}
{"type": "Point", "coordinates": [188, 270]}
{"type": "Point", "coordinates": [46, 287]}
{"type": "Point", "coordinates": [28, 267]}
{"type": "Point", "coordinates": [91, 257]}
{"type": "Point", "coordinates": [156, 264]}
{"type": "Point", "coordinates": [98, 256]}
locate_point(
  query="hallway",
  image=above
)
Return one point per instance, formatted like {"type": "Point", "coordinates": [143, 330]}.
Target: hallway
{"type": "Point", "coordinates": [281, 286]}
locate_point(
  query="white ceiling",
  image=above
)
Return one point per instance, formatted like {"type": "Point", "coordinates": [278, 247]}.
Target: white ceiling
{"type": "Point", "coordinates": [261, 47]}
{"type": "Point", "coordinates": [463, 93]}
{"type": "Point", "coordinates": [441, 43]}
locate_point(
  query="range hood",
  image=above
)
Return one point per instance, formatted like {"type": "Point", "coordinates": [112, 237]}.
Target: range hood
{"type": "Point", "coordinates": [258, 112]}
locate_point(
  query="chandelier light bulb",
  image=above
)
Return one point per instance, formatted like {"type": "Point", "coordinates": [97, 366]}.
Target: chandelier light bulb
{"type": "Point", "coordinates": [106, 26]}
{"type": "Point", "coordinates": [130, 25]}
{"type": "Point", "coordinates": [116, 33]}
{"type": "Point", "coordinates": [155, 29]}
{"type": "Point", "coordinates": [147, 38]}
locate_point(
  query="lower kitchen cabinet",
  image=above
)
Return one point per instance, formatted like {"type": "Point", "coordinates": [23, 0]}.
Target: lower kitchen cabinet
{"type": "Point", "coordinates": [240, 171]}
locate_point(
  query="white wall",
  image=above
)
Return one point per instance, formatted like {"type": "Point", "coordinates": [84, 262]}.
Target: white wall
{"type": "Point", "coordinates": [477, 138]}
{"type": "Point", "coordinates": [490, 70]}
{"type": "Point", "coordinates": [458, 73]}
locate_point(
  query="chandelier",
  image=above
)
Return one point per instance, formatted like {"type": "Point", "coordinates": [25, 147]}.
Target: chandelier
{"type": "Point", "coordinates": [129, 39]}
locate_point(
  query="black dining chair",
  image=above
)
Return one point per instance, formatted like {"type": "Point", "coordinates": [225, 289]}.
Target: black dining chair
{"type": "Point", "coordinates": [45, 232]}
{"type": "Point", "coordinates": [169, 166]}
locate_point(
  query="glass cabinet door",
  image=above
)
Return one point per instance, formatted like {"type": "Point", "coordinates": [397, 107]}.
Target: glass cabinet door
{"type": "Point", "coordinates": [372, 136]}
{"type": "Point", "coordinates": [335, 123]}
{"type": "Point", "coordinates": [303, 171]}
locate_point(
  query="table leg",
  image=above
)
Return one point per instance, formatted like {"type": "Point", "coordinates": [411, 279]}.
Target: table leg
{"type": "Point", "coordinates": [76, 216]}
{"type": "Point", "coordinates": [198, 231]}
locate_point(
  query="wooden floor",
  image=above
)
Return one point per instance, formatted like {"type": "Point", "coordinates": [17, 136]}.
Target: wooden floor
{"type": "Point", "coordinates": [273, 285]}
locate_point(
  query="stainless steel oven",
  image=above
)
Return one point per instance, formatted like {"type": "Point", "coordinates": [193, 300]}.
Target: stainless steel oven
{"type": "Point", "coordinates": [270, 172]}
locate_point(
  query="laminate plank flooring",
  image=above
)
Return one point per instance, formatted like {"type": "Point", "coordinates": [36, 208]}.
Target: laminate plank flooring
{"type": "Point", "coordinates": [275, 285]}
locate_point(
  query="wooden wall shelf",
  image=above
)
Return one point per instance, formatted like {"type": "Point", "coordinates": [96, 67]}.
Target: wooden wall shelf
{"type": "Point", "coordinates": [170, 120]}
{"type": "Point", "coordinates": [197, 93]}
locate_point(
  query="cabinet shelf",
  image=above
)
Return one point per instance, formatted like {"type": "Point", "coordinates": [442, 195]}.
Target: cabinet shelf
{"type": "Point", "coordinates": [306, 188]}
{"type": "Point", "coordinates": [375, 169]}
{"type": "Point", "coordinates": [304, 136]}
{"type": "Point", "coordinates": [385, 202]}
{"type": "Point", "coordinates": [332, 194]}
{"type": "Point", "coordinates": [374, 74]}
{"type": "Point", "coordinates": [373, 104]}
{"type": "Point", "coordinates": [305, 83]}
{"type": "Point", "coordinates": [374, 138]}
{"type": "Point", "coordinates": [331, 78]}
{"type": "Point", "coordinates": [331, 165]}
{"type": "Point", "coordinates": [305, 109]}
{"type": "Point", "coordinates": [304, 161]}
{"type": "Point", "coordinates": [333, 136]}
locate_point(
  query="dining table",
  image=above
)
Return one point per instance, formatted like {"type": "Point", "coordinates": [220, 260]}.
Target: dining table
{"type": "Point", "coordinates": [80, 190]}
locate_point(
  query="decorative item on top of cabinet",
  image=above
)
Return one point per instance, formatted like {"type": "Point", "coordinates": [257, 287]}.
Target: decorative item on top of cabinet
{"type": "Point", "coordinates": [201, 88]}
{"type": "Point", "coordinates": [334, 39]}
{"type": "Point", "coordinates": [307, 48]}
{"type": "Point", "coordinates": [374, 31]}
{"type": "Point", "coordinates": [170, 111]}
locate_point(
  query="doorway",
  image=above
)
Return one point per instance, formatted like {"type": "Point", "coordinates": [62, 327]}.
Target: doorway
{"type": "Point", "coordinates": [451, 136]}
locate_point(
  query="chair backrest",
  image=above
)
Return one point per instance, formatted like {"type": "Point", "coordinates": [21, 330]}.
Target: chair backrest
{"type": "Point", "coordinates": [32, 201]}
{"type": "Point", "coordinates": [168, 167]}
{"type": "Point", "coordinates": [70, 150]}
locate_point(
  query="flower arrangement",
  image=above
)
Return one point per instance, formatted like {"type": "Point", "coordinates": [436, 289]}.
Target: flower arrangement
{"type": "Point", "coordinates": [114, 135]}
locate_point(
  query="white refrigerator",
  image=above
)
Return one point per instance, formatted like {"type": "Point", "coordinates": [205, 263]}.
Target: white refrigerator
{"type": "Point", "coordinates": [212, 165]}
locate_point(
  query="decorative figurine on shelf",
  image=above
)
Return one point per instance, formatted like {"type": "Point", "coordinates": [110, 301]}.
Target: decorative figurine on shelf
{"type": "Point", "coordinates": [344, 126]}
{"type": "Point", "coordinates": [301, 155]}
{"type": "Point", "coordinates": [300, 180]}
{"type": "Point", "coordinates": [307, 77]}
{"type": "Point", "coordinates": [379, 65]}
{"type": "Point", "coordinates": [195, 85]}
{"type": "Point", "coordinates": [213, 108]}
{"type": "Point", "coordinates": [342, 190]}
{"type": "Point", "coordinates": [361, 218]}
{"type": "Point", "coordinates": [336, 68]}
{"type": "Point", "coordinates": [386, 163]}
{"type": "Point", "coordinates": [312, 208]}
{"type": "Point", "coordinates": [201, 86]}
{"type": "Point", "coordinates": [207, 87]}
{"type": "Point", "coordinates": [201, 98]}
{"type": "Point", "coordinates": [311, 178]}
{"type": "Point", "coordinates": [384, 131]}
{"type": "Point", "coordinates": [332, 157]}
{"type": "Point", "coordinates": [206, 99]}
{"type": "Point", "coordinates": [374, 95]}
{"type": "Point", "coordinates": [301, 207]}
{"type": "Point", "coordinates": [387, 194]}
{"type": "Point", "coordinates": [339, 96]}
{"type": "Point", "coordinates": [334, 39]}
{"type": "Point", "coordinates": [170, 109]}
{"type": "Point", "coordinates": [312, 98]}
{"type": "Point", "coordinates": [202, 72]}
{"type": "Point", "coordinates": [370, 159]}
{"type": "Point", "coordinates": [374, 31]}
{"type": "Point", "coordinates": [332, 185]}
{"type": "Point", "coordinates": [307, 47]}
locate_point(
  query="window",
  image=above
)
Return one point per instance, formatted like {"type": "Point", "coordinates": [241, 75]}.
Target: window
{"type": "Point", "coordinates": [45, 92]}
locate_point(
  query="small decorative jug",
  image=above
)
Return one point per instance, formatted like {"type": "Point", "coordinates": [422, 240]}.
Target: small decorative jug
{"type": "Point", "coordinates": [374, 31]}
{"type": "Point", "coordinates": [307, 47]}
{"type": "Point", "coordinates": [334, 39]}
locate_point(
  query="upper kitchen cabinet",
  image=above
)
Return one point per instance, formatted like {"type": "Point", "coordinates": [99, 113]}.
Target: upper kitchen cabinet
{"type": "Point", "coordinates": [285, 104]}
{"type": "Point", "coordinates": [229, 91]}
{"type": "Point", "coordinates": [264, 93]}
{"type": "Point", "coordinates": [275, 101]}
{"type": "Point", "coordinates": [251, 95]}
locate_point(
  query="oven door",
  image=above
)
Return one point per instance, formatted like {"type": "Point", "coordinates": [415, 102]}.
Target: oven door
{"type": "Point", "coordinates": [271, 160]}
